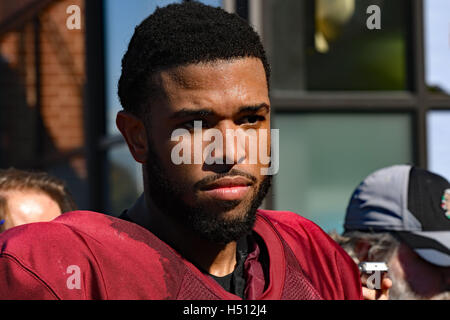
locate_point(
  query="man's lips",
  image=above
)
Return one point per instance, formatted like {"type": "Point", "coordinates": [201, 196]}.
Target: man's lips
{"type": "Point", "coordinates": [228, 182]}
{"type": "Point", "coordinates": [228, 188]}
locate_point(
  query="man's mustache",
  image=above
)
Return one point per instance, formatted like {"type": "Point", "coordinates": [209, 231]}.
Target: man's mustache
{"type": "Point", "coordinates": [232, 173]}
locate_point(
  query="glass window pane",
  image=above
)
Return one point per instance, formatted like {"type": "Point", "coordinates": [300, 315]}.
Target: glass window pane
{"type": "Point", "coordinates": [125, 180]}
{"type": "Point", "coordinates": [437, 45]}
{"type": "Point", "coordinates": [326, 45]}
{"type": "Point", "coordinates": [323, 157]}
{"type": "Point", "coordinates": [439, 142]}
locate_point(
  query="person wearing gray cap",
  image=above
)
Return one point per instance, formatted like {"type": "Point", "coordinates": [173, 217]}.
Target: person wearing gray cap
{"type": "Point", "coordinates": [401, 215]}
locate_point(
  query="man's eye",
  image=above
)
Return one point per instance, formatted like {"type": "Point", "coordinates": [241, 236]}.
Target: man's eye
{"type": "Point", "coordinates": [252, 119]}
{"type": "Point", "coordinates": [190, 125]}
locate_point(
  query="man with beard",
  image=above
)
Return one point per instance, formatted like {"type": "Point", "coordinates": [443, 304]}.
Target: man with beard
{"type": "Point", "coordinates": [196, 233]}
{"type": "Point", "coordinates": [398, 215]}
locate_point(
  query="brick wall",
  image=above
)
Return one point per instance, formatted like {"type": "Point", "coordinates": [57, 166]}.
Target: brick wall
{"type": "Point", "coordinates": [32, 137]}
{"type": "Point", "coordinates": [62, 59]}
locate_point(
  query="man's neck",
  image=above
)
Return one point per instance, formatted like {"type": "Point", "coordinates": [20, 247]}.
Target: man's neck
{"type": "Point", "coordinates": [216, 259]}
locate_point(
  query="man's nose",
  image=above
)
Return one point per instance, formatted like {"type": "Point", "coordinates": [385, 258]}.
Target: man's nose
{"type": "Point", "coordinates": [221, 160]}
{"type": "Point", "coordinates": [233, 151]}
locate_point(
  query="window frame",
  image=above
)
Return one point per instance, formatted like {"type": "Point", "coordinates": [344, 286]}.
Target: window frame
{"type": "Point", "coordinates": [418, 101]}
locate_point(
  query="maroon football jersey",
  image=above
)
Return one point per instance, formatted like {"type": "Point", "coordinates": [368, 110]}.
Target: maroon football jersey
{"type": "Point", "coordinates": [88, 255]}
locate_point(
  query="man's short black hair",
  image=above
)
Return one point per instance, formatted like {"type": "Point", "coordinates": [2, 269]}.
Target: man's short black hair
{"type": "Point", "coordinates": [181, 34]}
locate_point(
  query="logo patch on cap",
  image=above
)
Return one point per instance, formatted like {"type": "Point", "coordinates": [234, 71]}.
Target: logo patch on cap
{"type": "Point", "coordinates": [445, 203]}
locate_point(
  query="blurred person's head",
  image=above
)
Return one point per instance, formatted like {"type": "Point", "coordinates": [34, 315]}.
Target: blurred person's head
{"type": "Point", "coordinates": [191, 62]}
{"type": "Point", "coordinates": [396, 215]}
{"type": "Point", "coordinates": [27, 197]}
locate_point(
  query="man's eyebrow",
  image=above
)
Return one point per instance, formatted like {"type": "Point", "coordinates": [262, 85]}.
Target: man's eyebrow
{"type": "Point", "coordinates": [184, 113]}
{"type": "Point", "coordinates": [254, 109]}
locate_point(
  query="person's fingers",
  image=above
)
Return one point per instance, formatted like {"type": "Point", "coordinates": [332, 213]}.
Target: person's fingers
{"type": "Point", "coordinates": [364, 279]}
{"type": "Point", "coordinates": [372, 294]}
{"type": "Point", "coordinates": [384, 295]}
{"type": "Point", "coordinates": [369, 294]}
{"type": "Point", "coordinates": [386, 283]}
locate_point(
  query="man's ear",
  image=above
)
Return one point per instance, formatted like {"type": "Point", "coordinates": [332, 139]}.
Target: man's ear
{"type": "Point", "coordinates": [362, 248]}
{"type": "Point", "coordinates": [133, 130]}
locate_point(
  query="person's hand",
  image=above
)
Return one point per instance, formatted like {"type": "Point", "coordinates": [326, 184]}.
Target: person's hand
{"type": "Point", "coordinates": [374, 294]}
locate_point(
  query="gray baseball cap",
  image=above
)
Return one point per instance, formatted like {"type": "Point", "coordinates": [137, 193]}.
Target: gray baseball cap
{"type": "Point", "coordinates": [411, 202]}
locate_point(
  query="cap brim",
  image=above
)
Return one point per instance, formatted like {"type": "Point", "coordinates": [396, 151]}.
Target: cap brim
{"type": "Point", "coordinates": [432, 246]}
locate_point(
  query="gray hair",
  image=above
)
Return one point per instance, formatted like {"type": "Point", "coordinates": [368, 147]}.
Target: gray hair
{"type": "Point", "coordinates": [382, 244]}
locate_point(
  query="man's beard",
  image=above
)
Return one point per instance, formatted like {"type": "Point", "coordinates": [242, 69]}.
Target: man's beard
{"type": "Point", "coordinates": [401, 290]}
{"type": "Point", "coordinates": [209, 225]}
